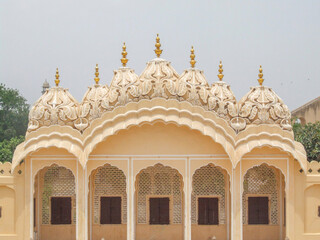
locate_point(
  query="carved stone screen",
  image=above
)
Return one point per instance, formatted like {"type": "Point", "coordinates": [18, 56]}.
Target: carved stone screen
{"type": "Point", "coordinates": [159, 181]}
{"type": "Point", "coordinates": [109, 181]}
{"type": "Point", "coordinates": [57, 182]}
{"type": "Point", "coordinates": [262, 181]}
{"type": "Point", "coordinates": [208, 181]}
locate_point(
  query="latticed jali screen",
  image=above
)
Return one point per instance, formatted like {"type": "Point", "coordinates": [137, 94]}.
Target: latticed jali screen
{"type": "Point", "coordinates": [262, 180]}
{"type": "Point", "coordinates": [57, 182]}
{"type": "Point", "coordinates": [209, 181]}
{"type": "Point", "coordinates": [159, 181]}
{"type": "Point", "coordinates": [109, 181]}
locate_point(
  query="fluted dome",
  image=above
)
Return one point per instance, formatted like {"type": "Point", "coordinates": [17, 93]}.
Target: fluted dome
{"type": "Point", "coordinates": [159, 79]}
{"type": "Point", "coordinates": [263, 106]}
{"type": "Point", "coordinates": [124, 87]}
{"type": "Point", "coordinates": [55, 107]}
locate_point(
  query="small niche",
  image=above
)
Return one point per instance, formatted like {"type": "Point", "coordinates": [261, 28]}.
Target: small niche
{"type": "Point", "coordinates": [318, 211]}
{"type": "Point", "coordinates": [0, 212]}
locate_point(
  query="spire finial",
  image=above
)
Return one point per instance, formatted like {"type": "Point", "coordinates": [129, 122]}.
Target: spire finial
{"type": "Point", "coordinates": [260, 80]}
{"type": "Point", "coordinates": [158, 51]}
{"type": "Point", "coordinates": [57, 81]}
{"type": "Point", "coordinates": [220, 75]}
{"type": "Point", "coordinates": [192, 57]}
{"type": "Point", "coordinates": [97, 79]}
{"type": "Point", "coordinates": [124, 53]}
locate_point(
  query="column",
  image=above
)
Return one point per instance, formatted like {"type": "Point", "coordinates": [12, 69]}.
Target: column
{"type": "Point", "coordinates": [130, 202]}
{"type": "Point", "coordinates": [236, 203]}
{"type": "Point", "coordinates": [80, 204]}
{"type": "Point", "coordinates": [187, 205]}
{"type": "Point", "coordinates": [290, 200]}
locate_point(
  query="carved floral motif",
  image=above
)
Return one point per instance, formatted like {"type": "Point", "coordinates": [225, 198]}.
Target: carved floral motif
{"type": "Point", "coordinates": [55, 107]}
{"type": "Point", "coordinates": [262, 106]}
{"type": "Point", "coordinates": [159, 79]}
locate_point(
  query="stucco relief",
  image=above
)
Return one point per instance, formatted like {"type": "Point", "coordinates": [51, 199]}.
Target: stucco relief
{"type": "Point", "coordinates": [159, 80]}
{"type": "Point", "coordinates": [262, 106]}
{"type": "Point", "coordinates": [55, 107]}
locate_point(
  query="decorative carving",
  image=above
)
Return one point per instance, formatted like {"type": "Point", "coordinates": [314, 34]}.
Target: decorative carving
{"type": "Point", "coordinates": [159, 80]}
{"type": "Point", "coordinates": [55, 107]}
{"type": "Point", "coordinates": [262, 106]}
{"type": "Point", "coordinates": [91, 106]}
{"type": "Point", "coordinates": [124, 88]}
{"type": "Point", "coordinates": [193, 87]}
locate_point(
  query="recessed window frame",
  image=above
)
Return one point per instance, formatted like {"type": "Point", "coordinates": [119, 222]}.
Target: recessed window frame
{"type": "Point", "coordinates": [197, 208]}
{"type": "Point", "coordinates": [71, 210]}
{"type": "Point", "coordinates": [121, 215]}
{"type": "Point", "coordinates": [269, 208]}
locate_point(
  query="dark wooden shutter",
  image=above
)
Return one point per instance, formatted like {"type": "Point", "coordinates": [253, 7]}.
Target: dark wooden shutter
{"type": "Point", "coordinates": [115, 210]}
{"type": "Point", "coordinates": [164, 211]}
{"type": "Point", "coordinates": [61, 210]}
{"type": "Point", "coordinates": [202, 211]}
{"type": "Point", "coordinates": [110, 210]}
{"type": "Point", "coordinates": [258, 210]}
{"type": "Point", "coordinates": [213, 216]}
{"type": "Point", "coordinates": [208, 211]}
{"type": "Point", "coordinates": [159, 211]}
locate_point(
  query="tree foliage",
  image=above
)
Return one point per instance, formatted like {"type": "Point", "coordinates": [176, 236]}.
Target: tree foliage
{"type": "Point", "coordinates": [309, 136]}
{"type": "Point", "coordinates": [14, 112]}
{"type": "Point", "coordinates": [7, 148]}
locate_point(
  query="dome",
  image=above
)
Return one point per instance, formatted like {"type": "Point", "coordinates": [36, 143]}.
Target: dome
{"type": "Point", "coordinates": [124, 86]}
{"type": "Point", "coordinates": [192, 85]}
{"type": "Point", "coordinates": [263, 106]}
{"type": "Point", "coordinates": [159, 78]}
{"type": "Point", "coordinates": [221, 98]}
{"type": "Point", "coordinates": [55, 107]}
{"type": "Point", "coordinates": [91, 106]}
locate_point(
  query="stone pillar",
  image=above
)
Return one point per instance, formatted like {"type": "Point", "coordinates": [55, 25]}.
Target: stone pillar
{"type": "Point", "coordinates": [187, 201]}
{"type": "Point", "coordinates": [131, 223]}
{"type": "Point", "coordinates": [236, 203]}
{"type": "Point", "coordinates": [28, 208]}
{"type": "Point", "coordinates": [81, 200]}
{"type": "Point", "coordinates": [290, 200]}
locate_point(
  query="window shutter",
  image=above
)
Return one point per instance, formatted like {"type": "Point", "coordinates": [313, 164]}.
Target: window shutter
{"type": "Point", "coordinates": [202, 211]}
{"type": "Point", "coordinates": [164, 211]}
{"type": "Point", "coordinates": [115, 210]}
{"type": "Point", "coordinates": [154, 210]}
{"type": "Point", "coordinates": [264, 210]}
{"type": "Point", "coordinates": [213, 211]}
{"type": "Point", "coordinates": [61, 210]}
{"type": "Point", "coordinates": [104, 211]}
{"type": "Point", "coordinates": [258, 210]}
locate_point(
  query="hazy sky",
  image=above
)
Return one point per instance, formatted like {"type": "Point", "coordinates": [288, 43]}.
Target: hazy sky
{"type": "Point", "coordinates": [282, 35]}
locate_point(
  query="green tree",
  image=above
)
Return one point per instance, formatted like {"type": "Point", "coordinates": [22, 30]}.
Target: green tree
{"type": "Point", "coordinates": [309, 136]}
{"type": "Point", "coordinates": [7, 148]}
{"type": "Point", "coordinates": [13, 113]}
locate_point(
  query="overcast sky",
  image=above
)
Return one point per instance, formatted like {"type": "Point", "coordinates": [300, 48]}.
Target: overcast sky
{"type": "Point", "coordinates": [283, 36]}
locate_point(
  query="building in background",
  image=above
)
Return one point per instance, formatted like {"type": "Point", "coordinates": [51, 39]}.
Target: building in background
{"type": "Point", "coordinates": [160, 156]}
{"type": "Point", "coordinates": [308, 113]}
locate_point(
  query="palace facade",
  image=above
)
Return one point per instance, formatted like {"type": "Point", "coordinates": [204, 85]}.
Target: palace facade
{"type": "Point", "coordinates": [160, 156]}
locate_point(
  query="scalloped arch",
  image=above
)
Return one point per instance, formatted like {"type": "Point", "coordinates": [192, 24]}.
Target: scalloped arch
{"type": "Point", "coordinates": [45, 142]}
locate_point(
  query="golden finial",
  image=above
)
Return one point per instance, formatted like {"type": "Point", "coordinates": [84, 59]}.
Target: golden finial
{"type": "Point", "coordinates": [97, 79]}
{"type": "Point", "coordinates": [192, 57]}
{"type": "Point", "coordinates": [260, 80]}
{"type": "Point", "coordinates": [124, 53]}
{"type": "Point", "coordinates": [220, 75]}
{"type": "Point", "coordinates": [158, 51]}
{"type": "Point", "coordinates": [57, 81]}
